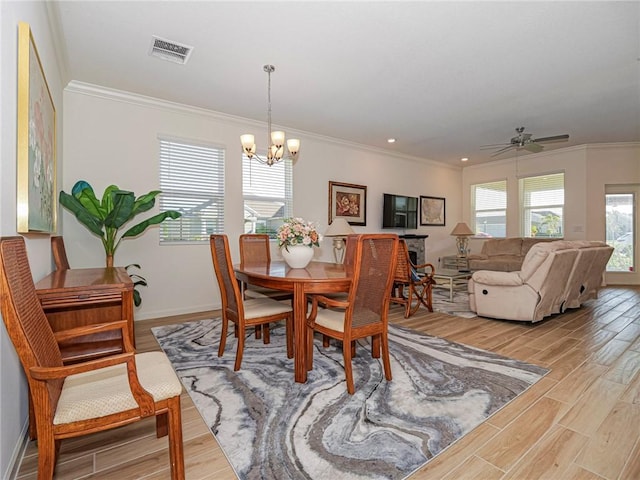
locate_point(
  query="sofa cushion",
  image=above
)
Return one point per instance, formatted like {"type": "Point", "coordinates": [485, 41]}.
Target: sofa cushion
{"type": "Point", "coordinates": [502, 246]}
{"type": "Point", "coordinates": [528, 242]}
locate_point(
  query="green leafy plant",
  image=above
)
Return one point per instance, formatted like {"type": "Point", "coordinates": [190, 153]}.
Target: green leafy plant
{"type": "Point", "coordinates": [107, 217]}
{"type": "Point", "coordinates": [137, 282]}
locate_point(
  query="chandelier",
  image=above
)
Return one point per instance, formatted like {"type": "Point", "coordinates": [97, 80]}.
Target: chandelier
{"type": "Point", "coordinates": [276, 151]}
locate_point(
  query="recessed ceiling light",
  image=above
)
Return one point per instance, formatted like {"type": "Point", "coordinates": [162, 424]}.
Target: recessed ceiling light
{"type": "Point", "coordinates": [464, 159]}
{"type": "Point", "coordinates": [391, 140]}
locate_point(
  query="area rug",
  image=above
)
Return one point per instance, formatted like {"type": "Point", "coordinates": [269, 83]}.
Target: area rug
{"type": "Point", "coordinates": [459, 307]}
{"type": "Point", "coordinates": [270, 427]}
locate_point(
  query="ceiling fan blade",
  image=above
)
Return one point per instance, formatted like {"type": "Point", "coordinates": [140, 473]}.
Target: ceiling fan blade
{"type": "Point", "coordinates": [493, 145]}
{"type": "Point", "coordinates": [533, 147]}
{"type": "Point", "coordinates": [502, 150]}
{"type": "Point", "coordinates": [551, 139]}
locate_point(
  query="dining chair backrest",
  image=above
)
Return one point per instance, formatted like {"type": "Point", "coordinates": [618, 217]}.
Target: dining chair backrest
{"type": "Point", "coordinates": [350, 249]}
{"type": "Point", "coordinates": [59, 253]}
{"type": "Point", "coordinates": [230, 292]}
{"type": "Point", "coordinates": [254, 249]}
{"type": "Point", "coordinates": [24, 317]}
{"type": "Point", "coordinates": [373, 270]}
{"type": "Point", "coordinates": [403, 269]}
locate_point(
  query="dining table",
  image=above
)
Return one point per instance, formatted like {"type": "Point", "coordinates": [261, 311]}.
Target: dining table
{"type": "Point", "coordinates": [317, 277]}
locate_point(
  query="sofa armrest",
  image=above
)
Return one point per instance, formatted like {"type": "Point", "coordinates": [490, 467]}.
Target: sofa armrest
{"type": "Point", "coordinates": [490, 277]}
{"type": "Point", "coordinates": [477, 256]}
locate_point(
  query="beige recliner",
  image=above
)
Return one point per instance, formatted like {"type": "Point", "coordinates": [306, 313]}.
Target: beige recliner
{"type": "Point", "coordinates": [587, 275]}
{"type": "Point", "coordinates": [536, 291]}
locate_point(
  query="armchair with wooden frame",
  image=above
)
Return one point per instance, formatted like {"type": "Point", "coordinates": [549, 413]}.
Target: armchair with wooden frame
{"type": "Point", "coordinates": [88, 397]}
{"type": "Point", "coordinates": [364, 313]}
{"type": "Point", "coordinates": [412, 284]}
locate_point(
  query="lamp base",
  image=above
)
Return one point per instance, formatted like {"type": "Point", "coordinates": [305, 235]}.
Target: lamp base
{"type": "Point", "coordinates": [338, 249]}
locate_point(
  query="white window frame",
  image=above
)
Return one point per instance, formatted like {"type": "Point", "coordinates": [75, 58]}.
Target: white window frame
{"type": "Point", "coordinates": [192, 177]}
{"type": "Point", "coordinates": [257, 187]}
{"type": "Point", "coordinates": [492, 207]}
{"type": "Point", "coordinates": [537, 193]}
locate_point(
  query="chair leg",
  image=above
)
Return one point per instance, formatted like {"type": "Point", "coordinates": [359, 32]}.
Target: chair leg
{"type": "Point", "coordinates": [46, 455]}
{"type": "Point", "coordinates": [348, 370]}
{"type": "Point", "coordinates": [162, 425]}
{"type": "Point", "coordinates": [353, 348]}
{"type": "Point", "coordinates": [375, 346]}
{"type": "Point", "coordinates": [176, 448]}
{"type": "Point", "coordinates": [386, 362]}
{"type": "Point", "coordinates": [325, 341]}
{"type": "Point", "coordinates": [223, 335]}
{"type": "Point", "coordinates": [240, 348]}
{"type": "Point", "coordinates": [258, 332]}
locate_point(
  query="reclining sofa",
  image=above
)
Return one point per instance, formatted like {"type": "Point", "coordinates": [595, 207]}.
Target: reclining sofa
{"type": "Point", "coordinates": [554, 276]}
{"type": "Point", "coordinates": [503, 254]}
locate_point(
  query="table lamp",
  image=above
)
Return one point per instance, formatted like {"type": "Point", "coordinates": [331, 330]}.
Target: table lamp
{"type": "Point", "coordinates": [339, 230]}
{"type": "Point", "coordinates": [462, 232]}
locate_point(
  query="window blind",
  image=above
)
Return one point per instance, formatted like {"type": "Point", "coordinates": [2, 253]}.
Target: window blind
{"type": "Point", "coordinates": [489, 208]}
{"type": "Point", "coordinates": [543, 205]}
{"type": "Point", "coordinates": [268, 195]}
{"type": "Point", "coordinates": [192, 182]}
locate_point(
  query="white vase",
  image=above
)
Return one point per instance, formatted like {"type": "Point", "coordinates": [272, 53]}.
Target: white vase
{"type": "Point", "coordinates": [297, 256]}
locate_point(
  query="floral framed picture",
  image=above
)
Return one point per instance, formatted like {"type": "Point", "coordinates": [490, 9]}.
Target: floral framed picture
{"type": "Point", "coordinates": [348, 201]}
{"type": "Point", "coordinates": [432, 211]}
{"type": "Point", "coordinates": [36, 149]}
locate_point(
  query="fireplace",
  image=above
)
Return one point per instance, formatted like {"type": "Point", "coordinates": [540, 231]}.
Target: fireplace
{"type": "Point", "coordinates": [416, 247]}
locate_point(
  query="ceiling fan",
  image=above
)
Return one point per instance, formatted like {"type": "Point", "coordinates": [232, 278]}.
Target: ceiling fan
{"type": "Point", "coordinates": [524, 141]}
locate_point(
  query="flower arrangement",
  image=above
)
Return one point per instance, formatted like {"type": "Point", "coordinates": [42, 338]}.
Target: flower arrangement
{"type": "Point", "coordinates": [295, 231]}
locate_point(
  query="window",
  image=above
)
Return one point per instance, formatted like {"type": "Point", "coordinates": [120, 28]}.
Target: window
{"type": "Point", "coordinates": [620, 214]}
{"type": "Point", "coordinates": [192, 182]}
{"type": "Point", "coordinates": [268, 195]}
{"type": "Point", "coordinates": [542, 205]}
{"type": "Point", "coordinates": [489, 209]}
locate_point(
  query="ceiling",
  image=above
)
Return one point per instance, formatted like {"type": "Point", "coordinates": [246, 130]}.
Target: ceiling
{"type": "Point", "coordinates": [443, 78]}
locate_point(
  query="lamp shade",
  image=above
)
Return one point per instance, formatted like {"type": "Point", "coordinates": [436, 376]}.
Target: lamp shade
{"type": "Point", "coordinates": [462, 229]}
{"type": "Point", "coordinates": [339, 228]}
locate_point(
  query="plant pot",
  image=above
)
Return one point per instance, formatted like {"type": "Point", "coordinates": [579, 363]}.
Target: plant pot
{"type": "Point", "coordinates": [297, 256]}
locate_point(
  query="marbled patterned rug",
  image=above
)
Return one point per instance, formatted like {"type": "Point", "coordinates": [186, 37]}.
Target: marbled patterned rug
{"type": "Point", "coordinates": [273, 428]}
{"type": "Point", "coordinates": [459, 307]}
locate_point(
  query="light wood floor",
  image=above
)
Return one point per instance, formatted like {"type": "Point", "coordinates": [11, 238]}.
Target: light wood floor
{"type": "Point", "coordinates": [581, 421]}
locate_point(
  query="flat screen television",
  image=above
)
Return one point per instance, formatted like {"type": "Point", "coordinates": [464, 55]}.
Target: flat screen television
{"type": "Point", "coordinates": [399, 211]}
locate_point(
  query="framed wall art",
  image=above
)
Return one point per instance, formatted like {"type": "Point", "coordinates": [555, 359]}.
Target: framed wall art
{"type": "Point", "coordinates": [348, 201]}
{"type": "Point", "coordinates": [36, 149]}
{"type": "Point", "coordinates": [432, 211]}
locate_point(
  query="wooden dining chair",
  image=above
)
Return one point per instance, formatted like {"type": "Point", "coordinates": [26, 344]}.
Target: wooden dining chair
{"type": "Point", "coordinates": [411, 288]}
{"type": "Point", "coordinates": [255, 250]}
{"type": "Point", "coordinates": [59, 253]}
{"type": "Point", "coordinates": [244, 313]}
{"type": "Point", "coordinates": [89, 397]}
{"type": "Point", "coordinates": [364, 313]}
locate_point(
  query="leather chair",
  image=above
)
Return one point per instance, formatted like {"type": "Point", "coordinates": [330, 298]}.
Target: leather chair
{"type": "Point", "coordinates": [89, 397]}
{"type": "Point", "coordinates": [244, 313]}
{"type": "Point", "coordinates": [364, 313]}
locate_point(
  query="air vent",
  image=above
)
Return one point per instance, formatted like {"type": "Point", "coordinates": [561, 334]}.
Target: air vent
{"type": "Point", "coordinates": [169, 50]}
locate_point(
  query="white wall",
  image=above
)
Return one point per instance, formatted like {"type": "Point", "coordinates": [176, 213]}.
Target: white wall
{"type": "Point", "coordinates": [13, 390]}
{"type": "Point", "coordinates": [110, 137]}
{"type": "Point", "coordinates": [588, 169]}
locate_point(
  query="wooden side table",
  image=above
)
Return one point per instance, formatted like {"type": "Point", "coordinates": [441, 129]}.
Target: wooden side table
{"type": "Point", "coordinates": [85, 296]}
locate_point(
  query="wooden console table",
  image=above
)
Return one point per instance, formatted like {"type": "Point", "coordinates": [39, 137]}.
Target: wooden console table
{"type": "Point", "coordinates": [85, 296]}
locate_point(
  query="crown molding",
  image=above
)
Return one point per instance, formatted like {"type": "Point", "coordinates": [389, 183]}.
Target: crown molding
{"type": "Point", "coordinates": [106, 93]}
